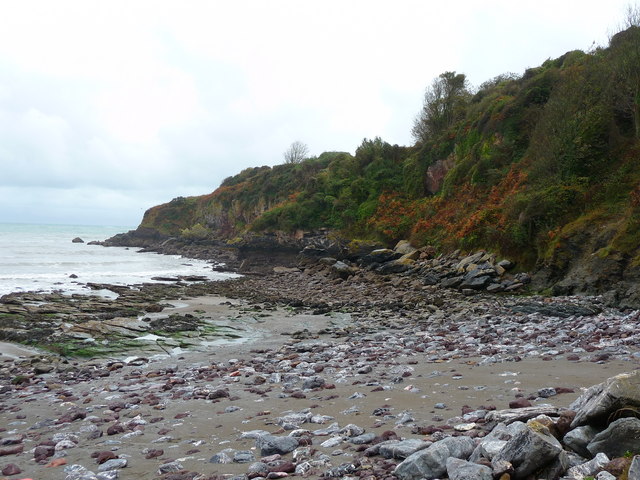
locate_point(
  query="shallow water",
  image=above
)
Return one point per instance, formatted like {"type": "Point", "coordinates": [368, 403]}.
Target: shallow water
{"type": "Point", "coordinates": [44, 258]}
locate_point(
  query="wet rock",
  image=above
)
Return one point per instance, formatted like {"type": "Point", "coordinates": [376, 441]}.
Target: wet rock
{"type": "Point", "coordinates": [590, 468]}
{"type": "Point", "coordinates": [599, 402]}
{"type": "Point", "coordinates": [462, 470]}
{"type": "Point", "coordinates": [430, 463]}
{"type": "Point", "coordinates": [271, 444]}
{"type": "Point", "coordinates": [113, 464]}
{"type": "Point", "coordinates": [11, 469]}
{"type": "Point", "coordinates": [398, 449]}
{"type": "Point", "coordinates": [11, 450]}
{"type": "Point", "coordinates": [619, 437]}
{"type": "Point", "coordinates": [528, 451]}
{"type": "Point", "coordinates": [578, 439]}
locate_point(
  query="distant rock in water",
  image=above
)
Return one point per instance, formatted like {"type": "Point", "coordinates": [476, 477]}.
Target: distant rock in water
{"type": "Point", "coordinates": [77, 240]}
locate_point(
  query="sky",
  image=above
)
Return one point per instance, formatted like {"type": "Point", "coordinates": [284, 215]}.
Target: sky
{"type": "Point", "coordinates": [108, 108]}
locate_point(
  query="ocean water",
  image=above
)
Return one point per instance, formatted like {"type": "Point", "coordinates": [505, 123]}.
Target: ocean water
{"type": "Point", "coordinates": [43, 258]}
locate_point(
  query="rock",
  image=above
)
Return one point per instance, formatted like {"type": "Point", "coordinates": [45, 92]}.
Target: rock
{"type": "Point", "coordinates": [578, 439]}
{"type": "Point", "coordinates": [430, 463]}
{"type": "Point", "coordinates": [528, 451]}
{"type": "Point", "coordinates": [170, 467]}
{"type": "Point", "coordinates": [342, 270]}
{"type": "Point", "coordinates": [270, 444]}
{"type": "Point", "coordinates": [401, 449]}
{"type": "Point", "coordinates": [395, 266]}
{"type": "Point", "coordinates": [589, 468]}
{"type": "Point", "coordinates": [404, 247]}
{"type": "Point", "coordinates": [619, 437]}
{"type": "Point", "coordinates": [520, 402]}
{"type": "Point", "coordinates": [11, 469]}
{"type": "Point", "coordinates": [113, 464]}
{"type": "Point", "coordinates": [363, 439]}
{"type": "Point", "coordinates": [12, 450]}
{"type": "Point", "coordinates": [599, 402]}
{"type": "Point", "coordinates": [520, 414]}
{"type": "Point", "coordinates": [462, 470]}
{"type": "Point", "coordinates": [634, 469]}
{"type": "Point", "coordinates": [313, 383]}
{"type": "Point", "coordinates": [77, 240]}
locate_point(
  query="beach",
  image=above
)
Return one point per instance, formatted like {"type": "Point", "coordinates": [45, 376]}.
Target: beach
{"type": "Point", "coordinates": [312, 361]}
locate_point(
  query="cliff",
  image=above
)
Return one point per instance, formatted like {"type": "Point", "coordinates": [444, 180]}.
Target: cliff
{"type": "Point", "coordinates": [540, 167]}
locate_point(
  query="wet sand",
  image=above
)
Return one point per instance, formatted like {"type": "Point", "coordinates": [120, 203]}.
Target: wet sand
{"type": "Point", "coordinates": [192, 430]}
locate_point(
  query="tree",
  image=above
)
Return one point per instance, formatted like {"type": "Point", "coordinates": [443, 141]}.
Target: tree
{"type": "Point", "coordinates": [444, 103]}
{"type": "Point", "coordinates": [297, 152]}
{"type": "Point", "coordinates": [626, 66]}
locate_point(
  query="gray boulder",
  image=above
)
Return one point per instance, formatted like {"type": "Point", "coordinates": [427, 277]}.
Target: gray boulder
{"type": "Point", "coordinates": [342, 270]}
{"type": "Point", "coordinates": [270, 445]}
{"type": "Point", "coordinates": [588, 468]}
{"type": "Point", "coordinates": [462, 470]}
{"type": "Point", "coordinates": [596, 404]}
{"type": "Point", "coordinates": [432, 462]}
{"type": "Point", "coordinates": [578, 439]}
{"type": "Point", "coordinates": [401, 449]}
{"type": "Point", "coordinates": [621, 436]}
{"type": "Point", "coordinates": [634, 469]}
{"type": "Point", "coordinates": [528, 451]}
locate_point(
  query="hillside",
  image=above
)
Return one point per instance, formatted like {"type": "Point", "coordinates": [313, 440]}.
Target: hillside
{"type": "Point", "coordinates": [540, 167]}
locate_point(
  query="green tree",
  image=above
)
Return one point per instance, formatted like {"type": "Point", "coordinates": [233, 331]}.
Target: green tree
{"type": "Point", "coordinates": [443, 105]}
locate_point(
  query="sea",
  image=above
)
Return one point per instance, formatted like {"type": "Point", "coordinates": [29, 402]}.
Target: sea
{"type": "Point", "coordinates": [43, 258]}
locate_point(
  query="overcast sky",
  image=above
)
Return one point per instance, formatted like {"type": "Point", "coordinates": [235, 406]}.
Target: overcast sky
{"type": "Point", "coordinates": [110, 107]}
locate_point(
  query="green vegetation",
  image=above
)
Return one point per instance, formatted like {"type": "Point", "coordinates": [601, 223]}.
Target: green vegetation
{"type": "Point", "coordinates": [528, 165]}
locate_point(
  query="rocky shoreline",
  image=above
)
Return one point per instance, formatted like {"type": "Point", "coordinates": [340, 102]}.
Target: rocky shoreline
{"type": "Point", "coordinates": [314, 370]}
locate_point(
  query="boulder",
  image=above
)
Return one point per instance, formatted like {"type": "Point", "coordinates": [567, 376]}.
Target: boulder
{"type": "Point", "coordinates": [578, 439]}
{"type": "Point", "coordinates": [634, 469]}
{"type": "Point", "coordinates": [528, 451]}
{"type": "Point", "coordinates": [589, 468]}
{"type": "Point", "coordinates": [431, 462]}
{"type": "Point", "coordinates": [404, 247]}
{"type": "Point", "coordinates": [342, 270]}
{"type": "Point", "coordinates": [462, 470]}
{"type": "Point", "coordinates": [395, 266]}
{"type": "Point", "coordinates": [270, 445]}
{"type": "Point", "coordinates": [620, 437]}
{"type": "Point", "coordinates": [380, 255]}
{"type": "Point", "coordinates": [401, 449]}
{"type": "Point", "coordinates": [77, 240]}
{"type": "Point", "coordinates": [598, 403]}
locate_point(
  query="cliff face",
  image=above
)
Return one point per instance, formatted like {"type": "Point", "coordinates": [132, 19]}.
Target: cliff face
{"type": "Point", "coordinates": [541, 168]}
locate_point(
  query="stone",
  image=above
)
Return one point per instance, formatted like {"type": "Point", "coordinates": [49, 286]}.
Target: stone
{"type": "Point", "coordinates": [401, 449]}
{"type": "Point", "coordinates": [77, 240]}
{"type": "Point", "coordinates": [520, 414]}
{"type": "Point", "coordinates": [113, 464]}
{"type": "Point", "coordinates": [634, 469]}
{"type": "Point", "coordinates": [170, 467]}
{"type": "Point", "coordinates": [578, 439]}
{"type": "Point", "coordinates": [363, 439]}
{"type": "Point", "coordinates": [528, 451]}
{"type": "Point", "coordinates": [404, 247]}
{"type": "Point", "coordinates": [597, 403]}
{"type": "Point", "coordinates": [270, 445]}
{"type": "Point", "coordinates": [11, 469]}
{"type": "Point", "coordinates": [462, 470]}
{"type": "Point", "coordinates": [430, 463]}
{"type": "Point", "coordinates": [619, 437]}
{"type": "Point", "coordinates": [588, 468]}
{"type": "Point", "coordinates": [342, 270]}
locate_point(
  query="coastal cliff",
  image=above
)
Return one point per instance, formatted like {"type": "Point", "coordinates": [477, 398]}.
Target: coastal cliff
{"type": "Point", "coordinates": [540, 168]}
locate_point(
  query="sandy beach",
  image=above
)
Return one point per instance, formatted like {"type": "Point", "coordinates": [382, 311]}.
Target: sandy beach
{"type": "Point", "coordinates": [186, 408]}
